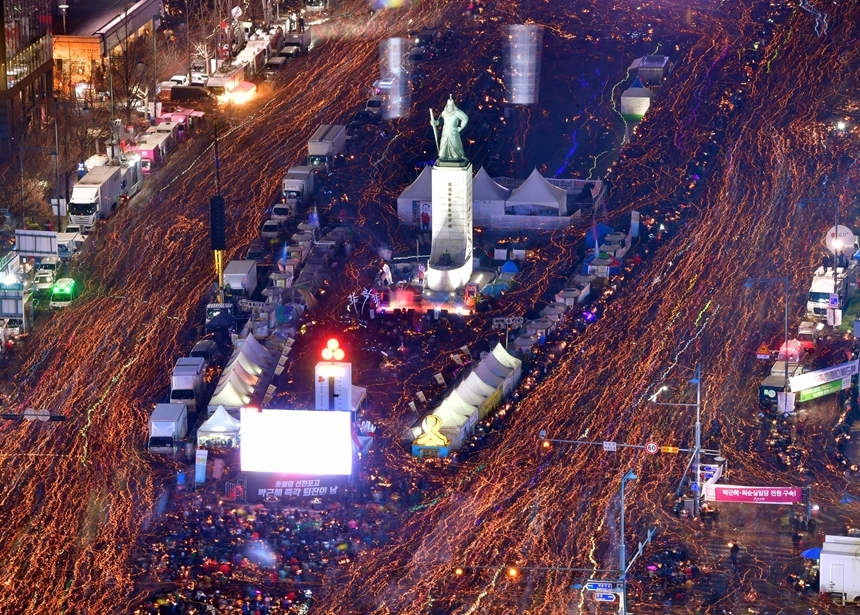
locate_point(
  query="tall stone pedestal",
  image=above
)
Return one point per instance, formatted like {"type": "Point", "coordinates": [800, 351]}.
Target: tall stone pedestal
{"type": "Point", "coordinates": [450, 264]}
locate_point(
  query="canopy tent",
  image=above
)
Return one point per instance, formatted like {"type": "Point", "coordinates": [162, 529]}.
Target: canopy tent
{"type": "Point", "coordinates": [229, 397]}
{"type": "Point", "coordinates": [252, 354]}
{"type": "Point", "coordinates": [247, 364]}
{"type": "Point", "coordinates": [635, 100]}
{"type": "Point", "coordinates": [220, 429]}
{"type": "Point", "coordinates": [509, 271]}
{"type": "Point", "coordinates": [488, 198]}
{"type": "Point", "coordinates": [486, 375]}
{"type": "Point", "coordinates": [418, 194]}
{"type": "Point", "coordinates": [222, 320]}
{"type": "Point", "coordinates": [260, 350]}
{"type": "Point", "coordinates": [236, 382]}
{"type": "Point", "coordinates": [235, 368]}
{"type": "Point", "coordinates": [536, 196]}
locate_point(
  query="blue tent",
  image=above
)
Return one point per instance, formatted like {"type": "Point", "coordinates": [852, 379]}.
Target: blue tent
{"type": "Point", "coordinates": [510, 267]}
{"type": "Point", "coordinates": [813, 553]}
{"type": "Point", "coordinates": [496, 288]}
{"type": "Point", "coordinates": [602, 232]}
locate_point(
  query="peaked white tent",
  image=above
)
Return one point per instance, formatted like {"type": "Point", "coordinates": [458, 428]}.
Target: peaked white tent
{"type": "Point", "coordinates": [236, 368]}
{"type": "Point", "coordinates": [237, 383]}
{"type": "Point", "coordinates": [536, 196]}
{"type": "Point", "coordinates": [635, 100]}
{"type": "Point", "coordinates": [226, 395]}
{"type": "Point", "coordinates": [220, 429]}
{"type": "Point", "coordinates": [256, 350]}
{"type": "Point", "coordinates": [247, 364]}
{"type": "Point", "coordinates": [410, 201]}
{"type": "Point", "coordinates": [488, 198]}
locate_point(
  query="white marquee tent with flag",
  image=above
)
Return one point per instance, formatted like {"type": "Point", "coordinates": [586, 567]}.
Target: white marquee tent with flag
{"type": "Point", "coordinates": [419, 193]}
{"type": "Point", "coordinates": [488, 198]}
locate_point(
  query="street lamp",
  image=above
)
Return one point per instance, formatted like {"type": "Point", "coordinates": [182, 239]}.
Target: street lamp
{"type": "Point", "coordinates": [696, 457]}
{"type": "Point", "coordinates": [622, 606]}
{"type": "Point", "coordinates": [749, 284]}
{"type": "Point", "coordinates": [63, 8]}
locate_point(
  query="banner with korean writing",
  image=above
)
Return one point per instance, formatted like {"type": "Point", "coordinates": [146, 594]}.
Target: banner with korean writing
{"type": "Point", "coordinates": [265, 486]}
{"type": "Point", "coordinates": [753, 495]}
{"type": "Point", "coordinates": [823, 376]}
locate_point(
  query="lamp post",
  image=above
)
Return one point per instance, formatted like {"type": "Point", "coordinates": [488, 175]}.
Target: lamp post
{"type": "Point", "coordinates": [837, 243]}
{"type": "Point", "coordinates": [748, 284]}
{"type": "Point", "coordinates": [63, 8]}
{"type": "Point", "coordinates": [696, 457]}
{"type": "Point", "coordinates": [622, 601]}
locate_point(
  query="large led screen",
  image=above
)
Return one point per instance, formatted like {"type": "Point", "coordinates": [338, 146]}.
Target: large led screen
{"type": "Point", "coordinates": [306, 442]}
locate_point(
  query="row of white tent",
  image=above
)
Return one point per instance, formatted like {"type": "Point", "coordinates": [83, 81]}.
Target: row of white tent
{"type": "Point", "coordinates": [489, 198]}
{"type": "Point", "coordinates": [241, 376]}
{"type": "Point", "coordinates": [478, 394]}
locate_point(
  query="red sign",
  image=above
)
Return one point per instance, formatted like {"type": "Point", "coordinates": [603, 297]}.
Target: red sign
{"type": "Point", "coordinates": [651, 448]}
{"type": "Point", "coordinates": [753, 495]}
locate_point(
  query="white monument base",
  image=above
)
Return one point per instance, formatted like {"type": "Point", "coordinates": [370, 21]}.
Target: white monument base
{"type": "Point", "coordinates": [449, 279]}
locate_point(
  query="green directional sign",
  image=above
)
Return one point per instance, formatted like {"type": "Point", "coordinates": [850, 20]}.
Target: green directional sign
{"type": "Point", "coordinates": [821, 390]}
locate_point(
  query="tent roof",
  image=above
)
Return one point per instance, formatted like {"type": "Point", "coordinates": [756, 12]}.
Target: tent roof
{"type": "Point", "coordinates": [220, 422]}
{"type": "Point", "coordinates": [245, 361]}
{"type": "Point", "coordinates": [637, 89]}
{"type": "Point", "coordinates": [421, 189]}
{"type": "Point", "coordinates": [258, 348]}
{"type": "Point", "coordinates": [450, 418]}
{"type": "Point", "coordinates": [250, 379]}
{"type": "Point", "coordinates": [484, 188]}
{"type": "Point", "coordinates": [536, 190]}
{"type": "Point", "coordinates": [488, 376]}
{"type": "Point", "coordinates": [222, 320]}
{"type": "Point", "coordinates": [505, 358]}
{"type": "Point", "coordinates": [229, 397]}
{"type": "Point", "coordinates": [238, 384]}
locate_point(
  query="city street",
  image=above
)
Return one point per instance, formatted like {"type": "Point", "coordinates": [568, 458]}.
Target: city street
{"type": "Point", "coordinates": [737, 134]}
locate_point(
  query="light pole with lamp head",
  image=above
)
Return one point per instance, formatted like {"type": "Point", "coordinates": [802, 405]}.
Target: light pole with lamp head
{"type": "Point", "coordinates": [63, 8]}
{"type": "Point", "coordinates": [622, 602]}
{"type": "Point", "coordinates": [749, 284]}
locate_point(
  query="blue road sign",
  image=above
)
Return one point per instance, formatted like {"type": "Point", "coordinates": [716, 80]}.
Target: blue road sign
{"type": "Point", "coordinates": [604, 597]}
{"type": "Point", "coordinates": [597, 586]}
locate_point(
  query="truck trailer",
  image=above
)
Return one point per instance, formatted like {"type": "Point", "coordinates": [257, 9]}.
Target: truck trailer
{"type": "Point", "coordinates": [168, 425]}
{"type": "Point", "coordinates": [840, 568]}
{"type": "Point", "coordinates": [326, 144]}
{"type": "Point", "coordinates": [298, 185]}
{"type": "Point", "coordinates": [95, 196]}
{"type": "Point", "coordinates": [826, 282]}
{"type": "Point", "coordinates": [186, 382]}
{"type": "Point", "coordinates": [241, 277]}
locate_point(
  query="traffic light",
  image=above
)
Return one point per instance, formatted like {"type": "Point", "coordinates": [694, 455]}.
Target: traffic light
{"type": "Point", "coordinates": [217, 223]}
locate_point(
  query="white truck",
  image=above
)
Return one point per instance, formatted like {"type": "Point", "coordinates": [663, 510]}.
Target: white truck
{"type": "Point", "coordinates": [298, 185]}
{"type": "Point", "coordinates": [326, 144]}
{"type": "Point", "coordinates": [95, 196]}
{"type": "Point", "coordinates": [186, 382]}
{"type": "Point", "coordinates": [296, 43]}
{"type": "Point", "coordinates": [168, 425]}
{"type": "Point", "coordinates": [826, 282]}
{"type": "Point", "coordinates": [839, 568]}
{"type": "Point", "coordinates": [68, 245]}
{"type": "Point", "coordinates": [241, 277]}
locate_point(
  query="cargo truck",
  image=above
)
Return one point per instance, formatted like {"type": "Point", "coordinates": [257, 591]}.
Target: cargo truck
{"type": "Point", "coordinates": [825, 283]}
{"type": "Point", "coordinates": [241, 277]}
{"type": "Point", "coordinates": [298, 185]}
{"type": "Point", "coordinates": [95, 196]}
{"type": "Point", "coordinates": [775, 383]}
{"type": "Point", "coordinates": [168, 426]}
{"type": "Point", "coordinates": [296, 42]}
{"type": "Point", "coordinates": [839, 568]}
{"type": "Point", "coordinates": [186, 382]}
{"type": "Point", "coordinates": [326, 144]}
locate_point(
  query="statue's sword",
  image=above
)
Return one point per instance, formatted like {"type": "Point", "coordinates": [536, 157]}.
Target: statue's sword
{"type": "Point", "coordinates": [435, 134]}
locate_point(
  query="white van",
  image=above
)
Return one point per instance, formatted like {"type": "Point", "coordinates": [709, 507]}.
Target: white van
{"type": "Point", "coordinates": [51, 263]}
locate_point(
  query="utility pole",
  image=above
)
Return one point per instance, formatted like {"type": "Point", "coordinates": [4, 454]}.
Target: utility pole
{"type": "Point", "coordinates": [622, 601]}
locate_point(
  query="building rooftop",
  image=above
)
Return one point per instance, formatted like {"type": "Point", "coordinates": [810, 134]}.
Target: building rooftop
{"type": "Point", "coordinates": [654, 61]}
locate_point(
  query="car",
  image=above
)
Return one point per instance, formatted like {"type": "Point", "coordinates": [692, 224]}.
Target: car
{"type": "Point", "coordinates": [198, 79]}
{"type": "Point", "coordinates": [67, 251]}
{"type": "Point", "coordinates": [179, 79]}
{"type": "Point", "coordinates": [63, 292]}
{"type": "Point", "coordinates": [43, 281]}
{"type": "Point", "coordinates": [375, 104]}
{"type": "Point", "coordinates": [270, 229]}
{"type": "Point", "coordinates": [367, 117]}
{"type": "Point", "coordinates": [256, 251]}
{"type": "Point", "coordinates": [14, 326]}
{"type": "Point", "coordinates": [75, 228]}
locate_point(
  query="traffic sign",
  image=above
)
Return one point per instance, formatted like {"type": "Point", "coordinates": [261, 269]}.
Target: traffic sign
{"type": "Point", "coordinates": [651, 448]}
{"type": "Point", "coordinates": [599, 586]}
{"type": "Point", "coordinates": [834, 300]}
{"type": "Point", "coordinates": [609, 447]}
{"type": "Point", "coordinates": [763, 352]}
{"type": "Point", "coordinates": [604, 597]}
{"type": "Point", "coordinates": [669, 449]}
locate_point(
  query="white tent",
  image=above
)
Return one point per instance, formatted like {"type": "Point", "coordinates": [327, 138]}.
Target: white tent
{"type": "Point", "coordinates": [220, 429]}
{"type": "Point", "coordinates": [635, 100]}
{"type": "Point", "coordinates": [229, 397]}
{"type": "Point", "coordinates": [235, 368]}
{"type": "Point", "coordinates": [249, 366]}
{"type": "Point", "coordinates": [257, 350]}
{"type": "Point", "coordinates": [536, 196]}
{"type": "Point", "coordinates": [411, 200]}
{"type": "Point", "coordinates": [488, 198]}
{"type": "Point", "coordinates": [237, 383]}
